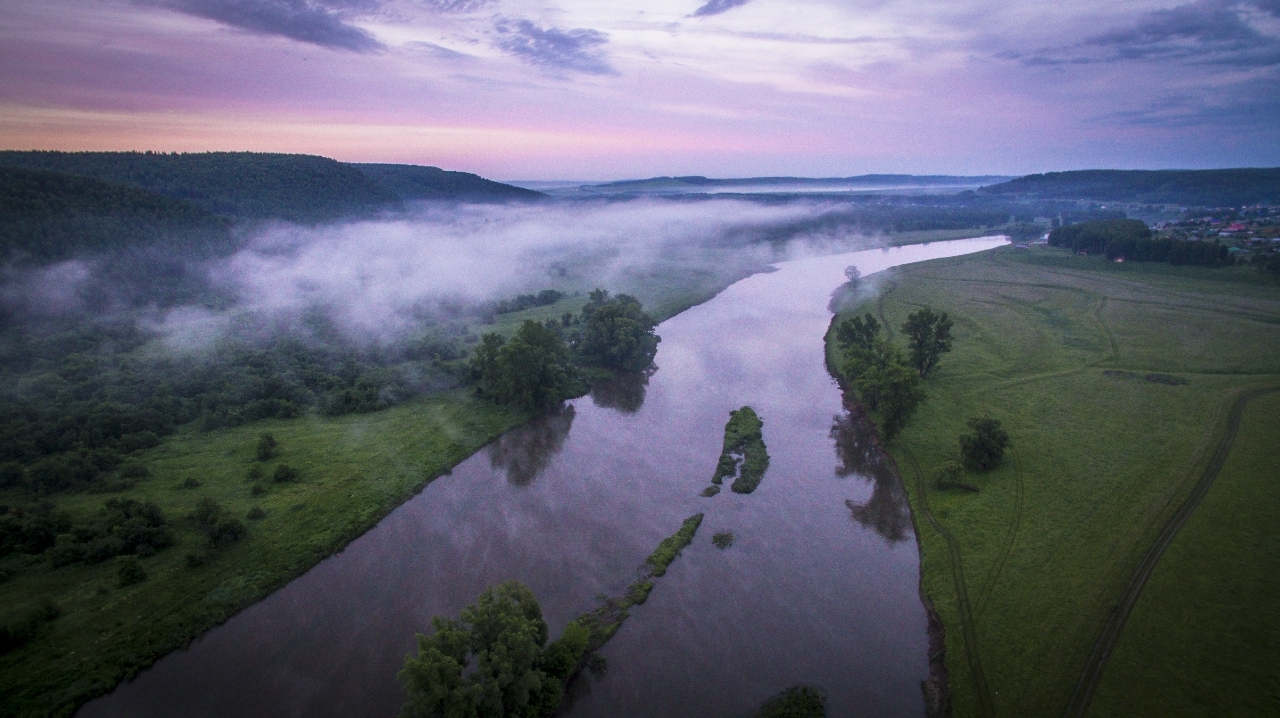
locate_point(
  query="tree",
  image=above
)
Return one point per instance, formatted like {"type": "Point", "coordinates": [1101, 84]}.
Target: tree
{"type": "Point", "coordinates": [878, 372]}
{"type": "Point", "coordinates": [504, 634]}
{"type": "Point", "coordinates": [616, 333]}
{"type": "Point", "coordinates": [928, 338]}
{"type": "Point", "coordinates": [984, 448]}
{"type": "Point", "coordinates": [533, 370]}
{"type": "Point", "coordinates": [890, 389]}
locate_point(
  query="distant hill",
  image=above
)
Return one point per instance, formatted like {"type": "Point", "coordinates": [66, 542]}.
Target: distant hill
{"type": "Point", "coordinates": [244, 185]}
{"type": "Point", "coordinates": [860, 183]}
{"type": "Point", "coordinates": [257, 185]}
{"type": "Point", "coordinates": [1199, 188]}
{"type": "Point", "coordinates": [413, 182]}
{"type": "Point", "coordinates": [49, 216]}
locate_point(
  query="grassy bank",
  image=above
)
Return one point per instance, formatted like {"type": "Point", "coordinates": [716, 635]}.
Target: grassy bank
{"type": "Point", "coordinates": [353, 470]}
{"type": "Point", "coordinates": [1059, 348]}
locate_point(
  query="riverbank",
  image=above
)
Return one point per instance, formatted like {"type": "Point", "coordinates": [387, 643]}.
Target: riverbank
{"type": "Point", "coordinates": [1082, 360]}
{"type": "Point", "coordinates": [352, 471]}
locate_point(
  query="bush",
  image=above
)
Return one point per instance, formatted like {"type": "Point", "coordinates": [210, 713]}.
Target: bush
{"type": "Point", "coordinates": [256, 513]}
{"type": "Point", "coordinates": [255, 473]}
{"type": "Point", "coordinates": [129, 571]}
{"type": "Point", "coordinates": [258, 490]}
{"type": "Point", "coordinates": [135, 471]}
{"type": "Point", "coordinates": [284, 473]}
{"type": "Point", "coordinates": [795, 702]}
{"type": "Point", "coordinates": [267, 448]}
{"type": "Point", "coordinates": [984, 449]}
{"type": "Point", "coordinates": [226, 531]}
{"type": "Point", "coordinates": [723, 540]}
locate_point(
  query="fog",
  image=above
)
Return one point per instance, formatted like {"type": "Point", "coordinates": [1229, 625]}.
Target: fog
{"type": "Point", "coordinates": [372, 281]}
{"type": "Point", "coordinates": [375, 279]}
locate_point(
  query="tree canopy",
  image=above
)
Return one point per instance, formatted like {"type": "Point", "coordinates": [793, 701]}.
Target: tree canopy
{"type": "Point", "coordinates": [616, 333]}
{"type": "Point", "coordinates": [886, 384]}
{"type": "Point", "coordinates": [533, 370]}
{"type": "Point", "coordinates": [928, 338]}
{"type": "Point", "coordinates": [504, 635]}
{"type": "Point", "coordinates": [984, 448]}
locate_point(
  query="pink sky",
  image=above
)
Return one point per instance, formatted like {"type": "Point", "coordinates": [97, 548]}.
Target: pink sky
{"type": "Point", "coordinates": [531, 90]}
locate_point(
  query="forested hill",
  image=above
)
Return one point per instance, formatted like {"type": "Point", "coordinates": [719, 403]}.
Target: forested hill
{"type": "Point", "coordinates": [1195, 188]}
{"type": "Point", "coordinates": [257, 185]}
{"type": "Point", "coordinates": [410, 182]}
{"type": "Point", "coordinates": [243, 185]}
{"type": "Point", "coordinates": [48, 216]}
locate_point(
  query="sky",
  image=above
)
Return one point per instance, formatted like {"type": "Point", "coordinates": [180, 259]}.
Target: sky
{"type": "Point", "coordinates": [523, 89]}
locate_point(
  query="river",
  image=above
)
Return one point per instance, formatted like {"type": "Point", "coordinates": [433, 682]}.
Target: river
{"type": "Point", "coordinates": [820, 587]}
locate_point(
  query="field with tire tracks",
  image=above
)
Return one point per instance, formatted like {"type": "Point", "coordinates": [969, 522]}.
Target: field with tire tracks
{"type": "Point", "coordinates": [1118, 384]}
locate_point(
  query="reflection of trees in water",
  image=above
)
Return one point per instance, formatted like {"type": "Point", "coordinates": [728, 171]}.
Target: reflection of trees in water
{"type": "Point", "coordinates": [525, 451]}
{"type": "Point", "coordinates": [625, 392]}
{"type": "Point", "coordinates": [886, 512]}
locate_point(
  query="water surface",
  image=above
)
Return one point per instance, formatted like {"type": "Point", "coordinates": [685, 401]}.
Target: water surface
{"type": "Point", "coordinates": [819, 588]}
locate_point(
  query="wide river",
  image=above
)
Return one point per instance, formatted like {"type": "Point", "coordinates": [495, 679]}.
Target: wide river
{"type": "Point", "coordinates": [820, 587]}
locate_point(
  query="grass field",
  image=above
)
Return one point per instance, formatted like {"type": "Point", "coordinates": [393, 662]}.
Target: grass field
{"type": "Point", "coordinates": [354, 469]}
{"type": "Point", "coordinates": [1203, 639]}
{"type": "Point", "coordinates": [1025, 572]}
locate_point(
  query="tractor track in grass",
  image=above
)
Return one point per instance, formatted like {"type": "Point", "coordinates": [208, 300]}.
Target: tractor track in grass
{"type": "Point", "coordinates": [1091, 676]}
{"type": "Point", "coordinates": [968, 627]}
{"type": "Point", "coordinates": [1011, 536]}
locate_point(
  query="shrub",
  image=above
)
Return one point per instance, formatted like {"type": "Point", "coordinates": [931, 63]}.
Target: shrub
{"type": "Point", "coordinates": [266, 449]}
{"type": "Point", "coordinates": [795, 702]}
{"type": "Point", "coordinates": [226, 531]}
{"type": "Point", "coordinates": [284, 474]}
{"type": "Point", "coordinates": [256, 513]}
{"type": "Point", "coordinates": [258, 490]}
{"type": "Point", "coordinates": [255, 472]}
{"type": "Point", "coordinates": [190, 483]}
{"type": "Point", "coordinates": [723, 540]}
{"type": "Point", "coordinates": [984, 448]}
{"type": "Point", "coordinates": [129, 571]}
{"type": "Point", "coordinates": [134, 471]}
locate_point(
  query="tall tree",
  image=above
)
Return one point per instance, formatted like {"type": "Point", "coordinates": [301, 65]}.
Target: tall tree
{"type": "Point", "coordinates": [617, 333]}
{"type": "Point", "coordinates": [504, 634]}
{"type": "Point", "coordinates": [928, 338]}
{"type": "Point", "coordinates": [533, 370]}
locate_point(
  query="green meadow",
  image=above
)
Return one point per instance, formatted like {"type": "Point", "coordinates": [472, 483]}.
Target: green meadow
{"type": "Point", "coordinates": [353, 470]}
{"type": "Point", "coordinates": [1114, 382]}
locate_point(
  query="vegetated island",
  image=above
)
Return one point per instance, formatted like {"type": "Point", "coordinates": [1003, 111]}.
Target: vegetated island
{"type": "Point", "coordinates": [744, 457]}
{"type": "Point", "coordinates": [517, 672]}
{"type": "Point", "coordinates": [1025, 572]}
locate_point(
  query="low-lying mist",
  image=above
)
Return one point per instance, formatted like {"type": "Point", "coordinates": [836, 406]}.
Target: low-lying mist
{"type": "Point", "coordinates": [377, 279]}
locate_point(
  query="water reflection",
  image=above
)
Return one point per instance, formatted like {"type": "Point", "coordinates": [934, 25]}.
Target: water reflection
{"type": "Point", "coordinates": [886, 512]}
{"type": "Point", "coordinates": [525, 451]}
{"type": "Point", "coordinates": [625, 392]}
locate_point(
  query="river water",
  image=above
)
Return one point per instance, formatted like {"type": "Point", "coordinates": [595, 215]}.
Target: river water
{"type": "Point", "coordinates": [819, 588]}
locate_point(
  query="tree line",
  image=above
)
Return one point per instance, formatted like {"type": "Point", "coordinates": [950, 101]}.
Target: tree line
{"type": "Point", "coordinates": [1133, 241]}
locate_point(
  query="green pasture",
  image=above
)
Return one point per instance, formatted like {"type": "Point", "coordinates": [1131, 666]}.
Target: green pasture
{"type": "Point", "coordinates": [354, 469]}
{"type": "Point", "coordinates": [1203, 639]}
{"type": "Point", "coordinates": [1025, 572]}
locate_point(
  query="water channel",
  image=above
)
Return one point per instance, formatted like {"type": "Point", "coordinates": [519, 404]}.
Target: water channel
{"type": "Point", "coordinates": [821, 586]}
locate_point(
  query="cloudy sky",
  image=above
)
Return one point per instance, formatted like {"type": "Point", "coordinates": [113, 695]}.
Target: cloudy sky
{"type": "Point", "coordinates": [528, 89]}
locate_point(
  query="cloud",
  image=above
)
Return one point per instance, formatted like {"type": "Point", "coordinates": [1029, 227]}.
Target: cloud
{"type": "Point", "coordinates": [1202, 32]}
{"type": "Point", "coordinates": [319, 22]}
{"type": "Point", "coordinates": [456, 6]}
{"type": "Point", "coordinates": [576, 50]}
{"type": "Point", "coordinates": [715, 7]}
